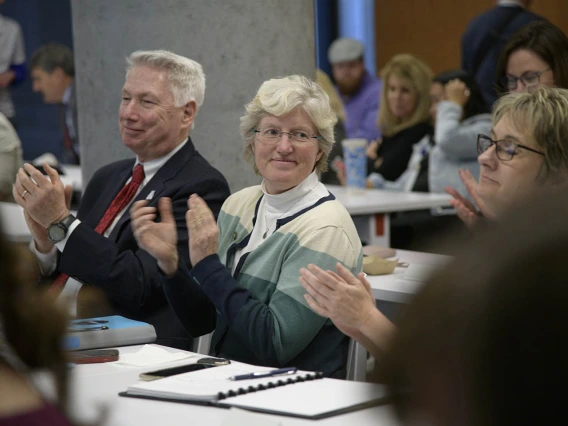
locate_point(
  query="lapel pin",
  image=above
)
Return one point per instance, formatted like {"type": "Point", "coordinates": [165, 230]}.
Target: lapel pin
{"type": "Point", "coordinates": [150, 195]}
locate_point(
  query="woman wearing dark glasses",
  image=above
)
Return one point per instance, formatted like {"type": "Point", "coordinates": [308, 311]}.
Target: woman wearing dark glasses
{"type": "Point", "coordinates": [526, 150]}
{"type": "Point", "coordinates": [534, 56]}
{"type": "Point", "coordinates": [526, 153]}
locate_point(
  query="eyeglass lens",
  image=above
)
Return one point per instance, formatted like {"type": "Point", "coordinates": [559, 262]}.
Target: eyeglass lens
{"type": "Point", "coordinates": [504, 150]}
{"type": "Point", "coordinates": [528, 79]}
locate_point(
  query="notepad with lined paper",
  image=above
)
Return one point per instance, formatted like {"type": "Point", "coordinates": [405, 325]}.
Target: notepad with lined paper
{"type": "Point", "coordinates": [303, 394]}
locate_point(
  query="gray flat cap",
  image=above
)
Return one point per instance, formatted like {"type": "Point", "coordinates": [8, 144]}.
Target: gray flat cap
{"type": "Point", "coordinates": [344, 49]}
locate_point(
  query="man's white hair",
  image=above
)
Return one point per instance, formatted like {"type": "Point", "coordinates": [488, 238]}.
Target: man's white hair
{"type": "Point", "coordinates": [186, 77]}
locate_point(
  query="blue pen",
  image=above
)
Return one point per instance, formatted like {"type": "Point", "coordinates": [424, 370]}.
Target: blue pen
{"type": "Point", "coordinates": [261, 374]}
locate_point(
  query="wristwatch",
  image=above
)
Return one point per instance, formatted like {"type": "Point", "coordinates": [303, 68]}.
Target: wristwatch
{"type": "Point", "coordinates": [58, 230]}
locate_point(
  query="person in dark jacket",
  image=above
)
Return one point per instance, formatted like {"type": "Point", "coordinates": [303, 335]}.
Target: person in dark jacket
{"type": "Point", "coordinates": [484, 38]}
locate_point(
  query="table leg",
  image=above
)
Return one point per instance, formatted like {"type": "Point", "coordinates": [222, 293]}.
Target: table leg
{"type": "Point", "coordinates": [373, 229]}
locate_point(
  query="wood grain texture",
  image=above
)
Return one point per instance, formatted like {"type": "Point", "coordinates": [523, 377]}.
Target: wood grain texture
{"type": "Point", "coordinates": [432, 29]}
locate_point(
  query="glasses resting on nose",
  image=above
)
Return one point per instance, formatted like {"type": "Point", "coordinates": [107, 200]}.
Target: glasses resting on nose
{"type": "Point", "coordinates": [531, 78]}
{"type": "Point", "coordinates": [504, 149]}
{"type": "Point", "coordinates": [272, 136]}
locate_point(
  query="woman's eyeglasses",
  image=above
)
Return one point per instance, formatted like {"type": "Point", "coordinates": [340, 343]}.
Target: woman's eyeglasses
{"type": "Point", "coordinates": [272, 136]}
{"type": "Point", "coordinates": [504, 149]}
{"type": "Point", "coordinates": [531, 78]}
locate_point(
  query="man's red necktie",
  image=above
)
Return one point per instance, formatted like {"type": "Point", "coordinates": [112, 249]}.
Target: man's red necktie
{"type": "Point", "coordinates": [122, 199]}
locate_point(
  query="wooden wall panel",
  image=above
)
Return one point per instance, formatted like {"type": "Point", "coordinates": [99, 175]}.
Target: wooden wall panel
{"type": "Point", "coordinates": [432, 29]}
{"type": "Point", "coordinates": [556, 11]}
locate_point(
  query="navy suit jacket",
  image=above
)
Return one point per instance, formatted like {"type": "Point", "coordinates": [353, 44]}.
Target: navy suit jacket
{"type": "Point", "coordinates": [127, 275]}
{"type": "Point", "coordinates": [71, 156]}
{"type": "Point", "coordinates": [477, 30]}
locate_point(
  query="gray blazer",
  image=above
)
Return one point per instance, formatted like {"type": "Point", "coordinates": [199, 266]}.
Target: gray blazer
{"type": "Point", "coordinates": [456, 146]}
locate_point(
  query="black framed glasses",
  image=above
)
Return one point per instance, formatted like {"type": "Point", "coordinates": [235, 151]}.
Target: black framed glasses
{"type": "Point", "coordinates": [531, 78]}
{"type": "Point", "coordinates": [504, 149]}
{"type": "Point", "coordinates": [272, 136]}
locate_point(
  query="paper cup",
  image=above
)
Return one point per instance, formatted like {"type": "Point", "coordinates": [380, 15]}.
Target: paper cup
{"type": "Point", "coordinates": [355, 159]}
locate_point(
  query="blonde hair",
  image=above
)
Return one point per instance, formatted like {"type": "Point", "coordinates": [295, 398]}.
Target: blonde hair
{"type": "Point", "coordinates": [543, 115]}
{"type": "Point", "coordinates": [278, 97]}
{"type": "Point", "coordinates": [419, 77]}
{"type": "Point", "coordinates": [325, 82]}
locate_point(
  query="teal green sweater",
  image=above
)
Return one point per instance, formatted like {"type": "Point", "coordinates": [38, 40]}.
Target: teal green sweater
{"type": "Point", "coordinates": [262, 317]}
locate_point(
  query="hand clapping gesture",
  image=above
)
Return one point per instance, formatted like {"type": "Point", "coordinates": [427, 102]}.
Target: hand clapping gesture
{"type": "Point", "coordinates": [45, 200]}
{"type": "Point", "coordinates": [203, 230]}
{"type": "Point", "coordinates": [465, 210]}
{"type": "Point", "coordinates": [345, 299]}
{"type": "Point", "coordinates": [157, 238]}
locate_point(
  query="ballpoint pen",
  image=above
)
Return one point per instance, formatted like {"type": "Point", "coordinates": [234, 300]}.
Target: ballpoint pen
{"type": "Point", "coordinates": [261, 374]}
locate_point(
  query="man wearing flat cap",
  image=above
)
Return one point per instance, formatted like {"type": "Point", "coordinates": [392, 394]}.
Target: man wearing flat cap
{"type": "Point", "coordinates": [359, 90]}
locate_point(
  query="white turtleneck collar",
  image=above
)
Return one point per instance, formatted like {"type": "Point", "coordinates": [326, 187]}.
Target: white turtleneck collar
{"type": "Point", "coordinates": [274, 207]}
{"type": "Point", "coordinates": [280, 203]}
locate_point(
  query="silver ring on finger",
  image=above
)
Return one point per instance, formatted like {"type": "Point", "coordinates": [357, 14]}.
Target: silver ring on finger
{"type": "Point", "coordinates": [23, 194]}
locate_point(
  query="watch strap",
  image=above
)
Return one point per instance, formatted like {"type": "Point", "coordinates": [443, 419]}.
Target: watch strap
{"type": "Point", "coordinates": [62, 225]}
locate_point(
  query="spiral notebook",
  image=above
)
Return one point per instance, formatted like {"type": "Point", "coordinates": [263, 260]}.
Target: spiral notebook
{"type": "Point", "coordinates": [303, 394]}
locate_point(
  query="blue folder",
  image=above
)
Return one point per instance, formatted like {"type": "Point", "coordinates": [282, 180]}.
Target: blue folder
{"type": "Point", "coordinates": [107, 332]}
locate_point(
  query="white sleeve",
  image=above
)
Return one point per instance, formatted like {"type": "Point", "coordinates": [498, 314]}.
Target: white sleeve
{"type": "Point", "coordinates": [61, 244]}
{"type": "Point", "coordinates": [47, 261]}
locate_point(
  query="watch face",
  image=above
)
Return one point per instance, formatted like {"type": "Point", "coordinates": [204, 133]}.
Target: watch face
{"type": "Point", "coordinates": [56, 232]}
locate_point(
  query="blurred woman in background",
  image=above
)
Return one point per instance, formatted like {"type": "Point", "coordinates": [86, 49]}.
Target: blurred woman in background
{"type": "Point", "coordinates": [404, 117]}
{"type": "Point", "coordinates": [31, 338]}
{"type": "Point", "coordinates": [459, 113]}
{"type": "Point", "coordinates": [335, 157]}
{"type": "Point", "coordinates": [534, 56]}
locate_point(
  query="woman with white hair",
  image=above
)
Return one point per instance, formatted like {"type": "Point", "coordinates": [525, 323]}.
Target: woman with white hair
{"type": "Point", "coordinates": [248, 264]}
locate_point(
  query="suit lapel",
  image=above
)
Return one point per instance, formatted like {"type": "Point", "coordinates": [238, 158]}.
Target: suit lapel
{"type": "Point", "coordinates": [157, 184]}
{"type": "Point", "coordinates": [113, 186]}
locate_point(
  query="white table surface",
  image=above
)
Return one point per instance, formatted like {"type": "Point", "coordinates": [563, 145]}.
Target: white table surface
{"type": "Point", "coordinates": [393, 287]}
{"type": "Point", "coordinates": [96, 385]}
{"type": "Point", "coordinates": [360, 201]}
{"type": "Point", "coordinates": [73, 176]}
{"type": "Point", "coordinates": [12, 223]}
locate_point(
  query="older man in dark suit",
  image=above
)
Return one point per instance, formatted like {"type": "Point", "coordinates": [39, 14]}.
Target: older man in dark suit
{"type": "Point", "coordinates": [485, 37]}
{"type": "Point", "coordinates": [160, 99]}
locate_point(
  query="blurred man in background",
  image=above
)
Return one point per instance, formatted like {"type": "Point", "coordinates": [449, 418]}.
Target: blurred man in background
{"type": "Point", "coordinates": [358, 89]}
{"type": "Point", "coordinates": [53, 75]}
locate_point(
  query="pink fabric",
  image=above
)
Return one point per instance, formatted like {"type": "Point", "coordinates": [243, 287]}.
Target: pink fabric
{"type": "Point", "coordinates": [47, 415]}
